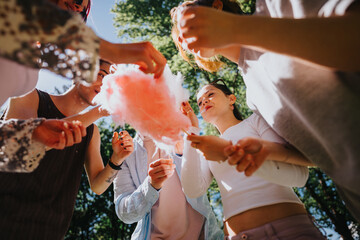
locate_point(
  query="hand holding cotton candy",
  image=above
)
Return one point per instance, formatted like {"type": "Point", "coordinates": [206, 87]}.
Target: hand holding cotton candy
{"type": "Point", "coordinates": [151, 106]}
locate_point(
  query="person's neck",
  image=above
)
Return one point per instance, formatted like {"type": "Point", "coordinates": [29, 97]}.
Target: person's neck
{"type": "Point", "coordinates": [225, 122]}
{"type": "Point", "coordinates": [69, 103]}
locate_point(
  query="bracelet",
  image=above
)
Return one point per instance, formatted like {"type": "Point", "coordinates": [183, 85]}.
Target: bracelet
{"type": "Point", "coordinates": [113, 166]}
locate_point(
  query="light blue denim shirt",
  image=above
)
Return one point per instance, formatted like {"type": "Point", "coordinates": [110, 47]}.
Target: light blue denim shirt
{"type": "Point", "coordinates": [134, 196]}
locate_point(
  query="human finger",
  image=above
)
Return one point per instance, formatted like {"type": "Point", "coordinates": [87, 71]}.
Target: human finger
{"type": "Point", "coordinates": [76, 133]}
{"type": "Point", "coordinates": [115, 138]}
{"type": "Point", "coordinates": [160, 62]}
{"type": "Point", "coordinates": [251, 169]}
{"type": "Point", "coordinates": [236, 157]}
{"type": "Point", "coordinates": [126, 138]}
{"type": "Point", "coordinates": [161, 170]}
{"type": "Point", "coordinates": [162, 166]}
{"type": "Point", "coordinates": [245, 163]}
{"type": "Point", "coordinates": [161, 174]}
{"type": "Point", "coordinates": [194, 145]}
{"type": "Point", "coordinates": [250, 145]}
{"type": "Point", "coordinates": [229, 150]}
{"type": "Point", "coordinates": [82, 128]}
{"type": "Point", "coordinates": [129, 148]}
{"type": "Point", "coordinates": [124, 133]}
{"type": "Point", "coordinates": [68, 135]}
{"type": "Point", "coordinates": [146, 64]}
{"type": "Point", "coordinates": [195, 138]}
{"type": "Point", "coordinates": [161, 161]}
{"type": "Point", "coordinates": [61, 142]}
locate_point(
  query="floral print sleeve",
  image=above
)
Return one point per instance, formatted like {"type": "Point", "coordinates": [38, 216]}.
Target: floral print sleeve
{"type": "Point", "coordinates": [37, 34]}
{"type": "Point", "coordinates": [18, 153]}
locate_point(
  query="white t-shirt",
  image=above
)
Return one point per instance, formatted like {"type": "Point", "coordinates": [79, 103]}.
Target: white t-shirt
{"type": "Point", "coordinates": [238, 192]}
{"type": "Point", "coordinates": [315, 109]}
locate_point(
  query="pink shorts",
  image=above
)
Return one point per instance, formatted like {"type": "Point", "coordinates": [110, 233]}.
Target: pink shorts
{"type": "Point", "coordinates": [298, 227]}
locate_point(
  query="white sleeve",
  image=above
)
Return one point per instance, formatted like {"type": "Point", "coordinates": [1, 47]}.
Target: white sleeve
{"type": "Point", "coordinates": [196, 176]}
{"type": "Point", "coordinates": [284, 174]}
{"type": "Point", "coordinates": [278, 172]}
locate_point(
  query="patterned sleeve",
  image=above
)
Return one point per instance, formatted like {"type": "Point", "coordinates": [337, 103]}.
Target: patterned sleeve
{"type": "Point", "coordinates": [38, 34]}
{"type": "Point", "coordinates": [18, 153]}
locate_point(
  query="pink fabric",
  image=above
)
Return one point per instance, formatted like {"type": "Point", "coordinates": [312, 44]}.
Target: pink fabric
{"type": "Point", "coordinates": [172, 217]}
{"type": "Point", "coordinates": [298, 227]}
{"type": "Point", "coordinates": [16, 79]}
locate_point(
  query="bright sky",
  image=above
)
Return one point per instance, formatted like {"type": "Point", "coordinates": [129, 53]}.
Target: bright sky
{"type": "Point", "coordinates": [101, 21]}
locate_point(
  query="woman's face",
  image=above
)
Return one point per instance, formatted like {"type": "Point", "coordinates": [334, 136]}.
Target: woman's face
{"type": "Point", "coordinates": [73, 5]}
{"type": "Point", "coordinates": [213, 103]}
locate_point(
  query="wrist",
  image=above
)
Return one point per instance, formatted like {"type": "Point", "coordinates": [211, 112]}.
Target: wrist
{"type": "Point", "coordinates": [105, 50]}
{"type": "Point", "coordinates": [114, 165]}
{"type": "Point", "coordinates": [243, 35]}
{"type": "Point", "coordinates": [156, 186]}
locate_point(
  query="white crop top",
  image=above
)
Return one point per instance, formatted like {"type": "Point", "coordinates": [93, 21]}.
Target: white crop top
{"type": "Point", "coordinates": [271, 184]}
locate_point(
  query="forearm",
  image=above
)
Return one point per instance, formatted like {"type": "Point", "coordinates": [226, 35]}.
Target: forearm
{"type": "Point", "coordinates": [283, 173]}
{"type": "Point", "coordinates": [132, 206]}
{"type": "Point", "coordinates": [283, 165]}
{"type": "Point", "coordinates": [232, 52]}
{"type": "Point", "coordinates": [103, 180]}
{"type": "Point", "coordinates": [285, 153]}
{"type": "Point", "coordinates": [330, 42]}
{"type": "Point", "coordinates": [195, 173]}
{"type": "Point", "coordinates": [88, 117]}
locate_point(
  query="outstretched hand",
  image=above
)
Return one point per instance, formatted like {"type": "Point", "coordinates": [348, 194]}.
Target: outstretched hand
{"type": "Point", "coordinates": [142, 54]}
{"type": "Point", "coordinates": [59, 134]}
{"type": "Point", "coordinates": [248, 155]}
{"type": "Point", "coordinates": [211, 146]}
{"type": "Point", "coordinates": [200, 27]}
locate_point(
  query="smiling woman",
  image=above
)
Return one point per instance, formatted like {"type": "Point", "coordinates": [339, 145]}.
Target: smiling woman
{"type": "Point", "coordinates": [248, 198]}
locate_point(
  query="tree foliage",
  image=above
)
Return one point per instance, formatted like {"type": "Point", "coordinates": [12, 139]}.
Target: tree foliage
{"type": "Point", "coordinates": [149, 20]}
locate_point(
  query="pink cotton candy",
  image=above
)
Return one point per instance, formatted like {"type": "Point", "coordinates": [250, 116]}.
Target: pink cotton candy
{"type": "Point", "coordinates": [151, 106]}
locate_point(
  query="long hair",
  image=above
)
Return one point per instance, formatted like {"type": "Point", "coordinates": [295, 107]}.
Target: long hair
{"type": "Point", "coordinates": [209, 64]}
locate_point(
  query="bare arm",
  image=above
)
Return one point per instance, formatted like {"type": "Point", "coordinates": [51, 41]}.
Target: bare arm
{"type": "Point", "coordinates": [88, 117]}
{"type": "Point", "coordinates": [250, 153]}
{"type": "Point", "coordinates": [286, 153]}
{"type": "Point", "coordinates": [331, 42]}
{"type": "Point", "coordinates": [23, 107]}
{"type": "Point", "coordinates": [100, 177]}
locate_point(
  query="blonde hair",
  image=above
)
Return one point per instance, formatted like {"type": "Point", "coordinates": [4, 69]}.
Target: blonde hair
{"type": "Point", "coordinates": [209, 64]}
